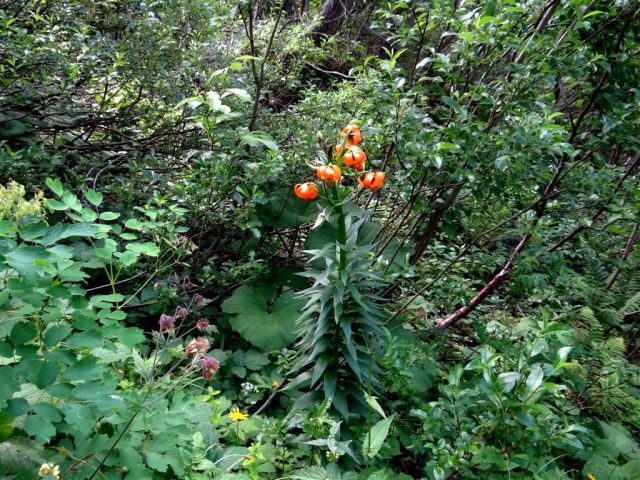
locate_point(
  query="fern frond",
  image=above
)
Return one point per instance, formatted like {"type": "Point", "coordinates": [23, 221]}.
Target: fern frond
{"type": "Point", "coordinates": [632, 305]}
{"type": "Point", "coordinates": [588, 329]}
{"type": "Point", "coordinates": [615, 402]}
{"type": "Point", "coordinates": [609, 316]}
{"type": "Point", "coordinates": [614, 347]}
{"type": "Point", "coordinates": [596, 273]}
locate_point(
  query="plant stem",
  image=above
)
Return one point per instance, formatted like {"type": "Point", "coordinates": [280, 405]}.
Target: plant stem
{"type": "Point", "coordinates": [342, 229]}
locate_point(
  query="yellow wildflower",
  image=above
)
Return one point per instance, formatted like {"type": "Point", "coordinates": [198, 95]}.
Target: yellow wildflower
{"type": "Point", "coordinates": [591, 476]}
{"type": "Point", "coordinates": [250, 458]}
{"type": "Point", "coordinates": [274, 384]}
{"type": "Point", "coordinates": [236, 415]}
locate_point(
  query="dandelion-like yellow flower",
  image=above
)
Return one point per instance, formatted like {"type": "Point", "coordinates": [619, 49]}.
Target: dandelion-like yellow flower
{"type": "Point", "coordinates": [591, 476]}
{"type": "Point", "coordinates": [49, 469]}
{"type": "Point", "coordinates": [236, 415]}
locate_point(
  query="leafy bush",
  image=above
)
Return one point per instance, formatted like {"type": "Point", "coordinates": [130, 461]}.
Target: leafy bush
{"type": "Point", "coordinates": [319, 240]}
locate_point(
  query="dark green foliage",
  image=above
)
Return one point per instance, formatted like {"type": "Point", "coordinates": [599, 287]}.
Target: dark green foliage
{"type": "Point", "coordinates": [148, 153]}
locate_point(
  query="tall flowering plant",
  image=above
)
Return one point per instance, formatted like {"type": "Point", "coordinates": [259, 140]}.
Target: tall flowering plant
{"type": "Point", "coordinates": [341, 318]}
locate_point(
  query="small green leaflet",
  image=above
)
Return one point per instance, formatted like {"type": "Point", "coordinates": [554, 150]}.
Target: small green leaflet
{"type": "Point", "coordinates": [95, 198]}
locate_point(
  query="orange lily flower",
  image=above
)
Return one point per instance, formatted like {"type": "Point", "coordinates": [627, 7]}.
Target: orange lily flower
{"type": "Point", "coordinates": [354, 157]}
{"type": "Point", "coordinates": [306, 191]}
{"type": "Point", "coordinates": [373, 180]}
{"type": "Point", "coordinates": [352, 132]}
{"type": "Point", "coordinates": [329, 173]}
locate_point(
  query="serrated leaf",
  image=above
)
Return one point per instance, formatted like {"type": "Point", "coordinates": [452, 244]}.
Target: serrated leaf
{"type": "Point", "coordinates": [310, 473]}
{"type": "Point", "coordinates": [39, 427]}
{"type": "Point", "coordinates": [374, 439]}
{"type": "Point", "coordinates": [158, 461]}
{"type": "Point", "coordinates": [24, 258]}
{"type": "Point", "coordinates": [147, 248]}
{"type": "Point", "coordinates": [373, 403]}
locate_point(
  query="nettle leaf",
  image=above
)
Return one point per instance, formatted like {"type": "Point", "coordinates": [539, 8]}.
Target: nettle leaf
{"type": "Point", "coordinates": [263, 317]}
{"type": "Point", "coordinates": [374, 438]}
{"type": "Point", "coordinates": [373, 403]}
{"type": "Point", "coordinates": [310, 473]}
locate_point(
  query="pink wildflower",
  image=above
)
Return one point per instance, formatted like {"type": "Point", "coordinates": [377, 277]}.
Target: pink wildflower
{"type": "Point", "coordinates": [202, 324]}
{"type": "Point", "coordinates": [198, 299]}
{"type": "Point", "coordinates": [210, 366]}
{"type": "Point", "coordinates": [198, 346]}
{"type": "Point", "coordinates": [166, 323]}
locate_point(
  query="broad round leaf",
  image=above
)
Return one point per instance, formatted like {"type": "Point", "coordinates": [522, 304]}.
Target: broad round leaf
{"type": "Point", "coordinates": [263, 318]}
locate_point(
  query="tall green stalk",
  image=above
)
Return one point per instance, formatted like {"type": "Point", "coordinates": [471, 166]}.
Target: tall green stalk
{"type": "Point", "coordinates": [341, 313]}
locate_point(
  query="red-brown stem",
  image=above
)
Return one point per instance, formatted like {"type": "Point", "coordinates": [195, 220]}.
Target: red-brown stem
{"type": "Point", "coordinates": [625, 254]}
{"type": "Point", "coordinates": [461, 313]}
{"type": "Point", "coordinates": [442, 324]}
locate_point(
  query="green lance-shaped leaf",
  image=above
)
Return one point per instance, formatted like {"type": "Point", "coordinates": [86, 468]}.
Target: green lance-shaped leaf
{"type": "Point", "coordinates": [375, 437]}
